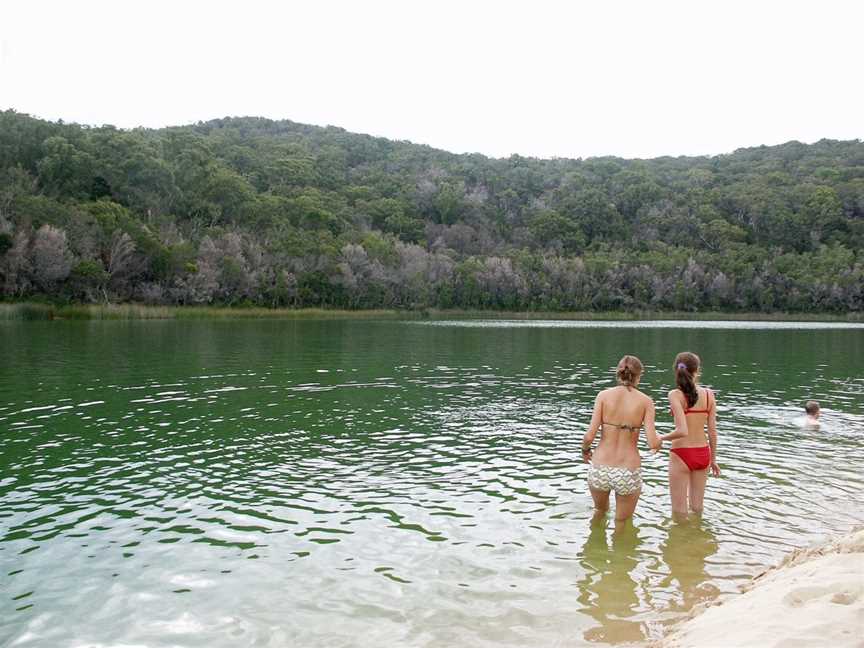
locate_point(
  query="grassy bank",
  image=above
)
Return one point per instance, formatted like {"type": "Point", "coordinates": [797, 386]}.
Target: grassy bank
{"type": "Point", "coordinates": [30, 311]}
{"type": "Point", "coordinates": [39, 311]}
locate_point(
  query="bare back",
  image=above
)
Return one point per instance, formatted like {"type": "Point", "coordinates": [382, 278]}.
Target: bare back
{"type": "Point", "coordinates": [697, 418]}
{"type": "Point", "coordinates": [619, 413]}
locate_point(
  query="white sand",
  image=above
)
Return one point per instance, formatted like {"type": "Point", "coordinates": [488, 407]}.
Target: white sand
{"type": "Point", "coordinates": [814, 598]}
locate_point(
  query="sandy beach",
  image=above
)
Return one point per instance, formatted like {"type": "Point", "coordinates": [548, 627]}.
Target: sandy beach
{"type": "Point", "coordinates": [815, 597]}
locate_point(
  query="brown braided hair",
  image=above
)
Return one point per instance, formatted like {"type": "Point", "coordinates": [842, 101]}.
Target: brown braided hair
{"type": "Point", "coordinates": [629, 370]}
{"type": "Point", "coordinates": [686, 367]}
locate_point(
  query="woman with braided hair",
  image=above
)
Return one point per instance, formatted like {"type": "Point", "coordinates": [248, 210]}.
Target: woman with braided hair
{"type": "Point", "coordinates": [694, 409]}
{"type": "Point", "coordinates": [619, 413]}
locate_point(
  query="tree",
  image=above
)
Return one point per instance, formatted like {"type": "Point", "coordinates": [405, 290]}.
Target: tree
{"type": "Point", "coordinates": [6, 242]}
{"type": "Point", "coordinates": [594, 212]}
{"type": "Point", "coordinates": [15, 265]}
{"type": "Point", "coordinates": [120, 255]}
{"type": "Point", "coordinates": [822, 213]}
{"type": "Point", "coordinates": [89, 279]}
{"type": "Point", "coordinates": [50, 257]}
{"type": "Point", "coordinates": [449, 203]}
{"type": "Point", "coordinates": [552, 230]}
{"type": "Point", "coordinates": [253, 210]}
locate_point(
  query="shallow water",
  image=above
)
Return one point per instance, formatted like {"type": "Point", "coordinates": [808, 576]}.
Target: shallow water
{"type": "Point", "coordinates": [354, 483]}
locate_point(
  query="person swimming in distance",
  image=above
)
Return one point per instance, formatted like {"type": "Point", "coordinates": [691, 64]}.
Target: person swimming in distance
{"type": "Point", "coordinates": [694, 409]}
{"type": "Point", "coordinates": [812, 411]}
{"type": "Point", "coordinates": [619, 413]}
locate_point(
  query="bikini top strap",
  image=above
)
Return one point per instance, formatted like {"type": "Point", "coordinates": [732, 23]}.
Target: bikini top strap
{"type": "Point", "coordinates": [709, 404]}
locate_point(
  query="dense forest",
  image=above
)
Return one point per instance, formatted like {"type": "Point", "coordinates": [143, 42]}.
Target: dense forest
{"type": "Point", "coordinates": [252, 211]}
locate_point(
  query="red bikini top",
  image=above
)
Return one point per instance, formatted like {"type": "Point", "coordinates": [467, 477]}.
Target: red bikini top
{"type": "Point", "coordinates": [708, 397]}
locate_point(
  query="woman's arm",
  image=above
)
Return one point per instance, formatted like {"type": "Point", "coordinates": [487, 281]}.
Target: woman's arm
{"type": "Point", "coordinates": [596, 420]}
{"type": "Point", "coordinates": [651, 435]}
{"type": "Point", "coordinates": [712, 437]}
{"type": "Point", "coordinates": [677, 406]}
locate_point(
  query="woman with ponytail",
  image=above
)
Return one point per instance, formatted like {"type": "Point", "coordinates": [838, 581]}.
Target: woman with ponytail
{"type": "Point", "coordinates": [615, 465]}
{"type": "Point", "coordinates": [694, 409]}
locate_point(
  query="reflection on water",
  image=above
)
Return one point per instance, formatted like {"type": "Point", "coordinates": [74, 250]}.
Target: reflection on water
{"type": "Point", "coordinates": [617, 594]}
{"type": "Point", "coordinates": [381, 483]}
{"type": "Point", "coordinates": [686, 547]}
{"type": "Point", "coordinates": [608, 591]}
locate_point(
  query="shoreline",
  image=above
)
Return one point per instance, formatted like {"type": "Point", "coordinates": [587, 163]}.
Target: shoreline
{"type": "Point", "coordinates": [813, 597]}
{"type": "Point", "coordinates": [131, 311]}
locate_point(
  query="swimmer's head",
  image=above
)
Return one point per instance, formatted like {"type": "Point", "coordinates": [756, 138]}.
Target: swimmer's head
{"type": "Point", "coordinates": [812, 408]}
{"type": "Point", "coordinates": [629, 371]}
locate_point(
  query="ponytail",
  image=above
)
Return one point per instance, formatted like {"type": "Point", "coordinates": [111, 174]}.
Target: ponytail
{"type": "Point", "coordinates": [686, 367]}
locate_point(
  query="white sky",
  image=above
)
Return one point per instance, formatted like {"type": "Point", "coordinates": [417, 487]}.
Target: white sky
{"type": "Point", "coordinates": [569, 79]}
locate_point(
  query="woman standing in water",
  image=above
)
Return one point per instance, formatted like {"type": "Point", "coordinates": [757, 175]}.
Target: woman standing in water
{"type": "Point", "coordinates": [615, 465]}
{"type": "Point", "coordinates": [694, 409]}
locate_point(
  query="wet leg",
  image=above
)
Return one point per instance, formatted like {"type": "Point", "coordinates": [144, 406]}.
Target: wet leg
{"type": "Point", "coordinates": [698, 479]}
{"type": "Point", "coordinates": [601, 502]}
{"type": "Point", "coordinates": [625, 505]}
{"type": "Point", "coordinates": [679, 484]}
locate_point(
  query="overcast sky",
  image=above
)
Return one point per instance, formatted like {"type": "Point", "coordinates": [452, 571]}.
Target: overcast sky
{"type": "Point", "coordinates": [569, 79]}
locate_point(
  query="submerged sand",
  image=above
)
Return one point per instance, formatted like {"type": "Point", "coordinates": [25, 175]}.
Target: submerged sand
{"type": "Point", "coordinates": [815, 597]}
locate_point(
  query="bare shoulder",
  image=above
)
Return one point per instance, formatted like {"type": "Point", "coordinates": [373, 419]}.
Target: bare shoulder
{"type": "Point", "coordinates": [675, 394]}
{"type": "Point", "coordinates": [646, 399]}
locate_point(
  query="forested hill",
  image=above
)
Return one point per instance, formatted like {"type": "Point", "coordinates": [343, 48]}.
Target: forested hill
{"type": "Point", "coordinates": [251, 210]}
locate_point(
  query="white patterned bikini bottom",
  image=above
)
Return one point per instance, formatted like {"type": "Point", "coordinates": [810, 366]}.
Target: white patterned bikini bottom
{"type": "Point", "coordinates": [622, 480]}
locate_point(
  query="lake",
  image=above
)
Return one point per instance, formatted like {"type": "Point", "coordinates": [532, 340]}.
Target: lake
{"type": "Point", "coordinates": [385, 483]}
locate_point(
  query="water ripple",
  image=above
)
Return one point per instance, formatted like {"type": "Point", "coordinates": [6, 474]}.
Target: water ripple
{"type": "Point", "coordinates": [301, 484]}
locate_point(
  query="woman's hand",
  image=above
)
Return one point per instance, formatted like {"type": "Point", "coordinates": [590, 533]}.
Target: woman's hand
{"type": "Point", "coordinates": [715, 469]}
{"type": "Point", "coordinates": [676, 434]}
{"type": "Point", "coordinates": [596, 419]}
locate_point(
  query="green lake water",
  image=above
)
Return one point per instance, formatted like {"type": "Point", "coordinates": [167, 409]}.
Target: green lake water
{"type": "Point", "coordinates": [381, 483]}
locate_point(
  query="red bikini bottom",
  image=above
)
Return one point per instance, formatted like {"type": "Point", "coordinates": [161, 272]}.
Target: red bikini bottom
{"type": "Point", "coordinates": [695, 458]}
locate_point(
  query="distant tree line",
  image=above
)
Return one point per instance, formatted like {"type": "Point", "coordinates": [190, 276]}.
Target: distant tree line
{"type": "Point", "coordinates": [254, 211]}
